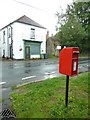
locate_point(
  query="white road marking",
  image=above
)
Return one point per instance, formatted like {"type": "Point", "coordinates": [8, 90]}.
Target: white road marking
{"type": "Point", "coordinates": [80, 67]}
{"type": "Point", "coordinates": [49, 73]}
{"type": "Point", "coordinates": [28, 77]}
{"type": "Point", "coordinates": [3, 89]}
{"type": "Point", "coordinates": [2, 83]}
{"type": "Point", "coordinates": [15, 64]}
{"type": "Point", "coordinates": [18, 67]}
{"type": "Point", "coordinates": [6, 89]}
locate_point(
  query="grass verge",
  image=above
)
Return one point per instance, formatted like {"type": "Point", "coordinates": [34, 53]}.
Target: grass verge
{"type": "Point", "coordinates": [46, 99]}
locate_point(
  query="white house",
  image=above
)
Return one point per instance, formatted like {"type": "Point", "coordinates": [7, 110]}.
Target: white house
{"type": "Point", "coordinates": [23, 39]}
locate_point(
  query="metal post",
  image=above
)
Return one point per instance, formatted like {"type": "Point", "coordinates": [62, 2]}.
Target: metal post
{"type": "Point", "coordinates": [67, 84]}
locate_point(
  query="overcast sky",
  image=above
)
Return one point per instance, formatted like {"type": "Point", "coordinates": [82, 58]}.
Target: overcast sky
{"type": "Point", "coordinates": [41, 11]}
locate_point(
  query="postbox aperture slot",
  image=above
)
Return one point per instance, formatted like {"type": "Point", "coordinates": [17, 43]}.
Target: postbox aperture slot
{"type": "Point", "coordinates": [76, 52]}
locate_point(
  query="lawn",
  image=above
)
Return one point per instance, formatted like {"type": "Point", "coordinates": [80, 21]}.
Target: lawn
{"type": "Point", "coordinates": [46, 99]}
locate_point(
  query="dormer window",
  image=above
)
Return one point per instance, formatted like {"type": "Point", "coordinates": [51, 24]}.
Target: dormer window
{"type": "Point", "coordinates": [32, 36]}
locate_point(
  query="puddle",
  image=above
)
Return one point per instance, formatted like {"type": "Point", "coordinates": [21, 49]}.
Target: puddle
{"type": "Point", "coordinates": [27, 65]}
{"type": "Point", "coordinates": [32, 65]}
{"type": "Point", "coordinates": [27, 71]}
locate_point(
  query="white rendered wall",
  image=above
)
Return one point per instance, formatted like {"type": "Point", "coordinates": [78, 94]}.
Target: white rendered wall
{"type": "Point", "coordinates": [35, 56]}
{"type": "Point", "coordinates": [17, 42]}
{"type": "Point", "coordinates": [22, 31]}
{"type": "Point", "coordinates": [3, 45]}
{"type": "Point", "coordinates": [0, 46]}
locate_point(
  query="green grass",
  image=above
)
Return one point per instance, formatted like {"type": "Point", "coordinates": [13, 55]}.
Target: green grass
{"type": "Point", "coordinates": [46, 99]}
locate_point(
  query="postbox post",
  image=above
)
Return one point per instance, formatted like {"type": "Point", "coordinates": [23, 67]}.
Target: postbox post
{"type": "Point", "coordinates": [67, 86]}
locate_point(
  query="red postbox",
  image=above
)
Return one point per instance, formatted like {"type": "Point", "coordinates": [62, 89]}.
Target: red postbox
{"type": "Point", "coordinates": [68, 63]}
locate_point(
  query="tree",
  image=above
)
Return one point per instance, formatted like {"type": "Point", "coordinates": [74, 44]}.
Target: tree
{"type": "Point", "coordinates": [73, 31]}
{"type": "Point", "coordinates": [81, 10]}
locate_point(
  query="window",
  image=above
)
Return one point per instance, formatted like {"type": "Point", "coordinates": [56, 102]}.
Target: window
{"type": "Point", "coordinates": [3, 36]}
{"type": "Point", "coordinates": [32, 33]}
{"type": "Point", "coordinates": [9, 32]}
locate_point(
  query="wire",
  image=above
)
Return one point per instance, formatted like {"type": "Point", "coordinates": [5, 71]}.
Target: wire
{"type": "Point", "coordinates": [33, 7]}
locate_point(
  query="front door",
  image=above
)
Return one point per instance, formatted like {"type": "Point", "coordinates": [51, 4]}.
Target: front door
{"type": "Point", "coordinates": [27, 52]}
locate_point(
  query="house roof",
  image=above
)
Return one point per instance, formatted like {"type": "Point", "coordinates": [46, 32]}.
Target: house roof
{"type": "Point", "coordinates": [26, 20]}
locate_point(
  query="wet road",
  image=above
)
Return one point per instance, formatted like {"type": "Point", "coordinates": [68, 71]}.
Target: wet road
{"type": "Point", "coordinates": [14, 73]}
{"type": "Point", "coordinates": [19, 72]}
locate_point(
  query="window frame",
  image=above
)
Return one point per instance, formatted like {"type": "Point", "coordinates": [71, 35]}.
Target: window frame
{"type": "Point", "coordinates": [4, 36]}
{"type": "Point", "coordinates": [32, 35]}
{"type": "Point", "coordinates": [9, 32]}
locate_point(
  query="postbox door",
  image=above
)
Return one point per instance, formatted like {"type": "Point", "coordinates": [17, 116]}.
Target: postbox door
{"type": "Point", "coordinates": [75, 61]}
{"type": "Point", "coordinates": [74, 66]}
